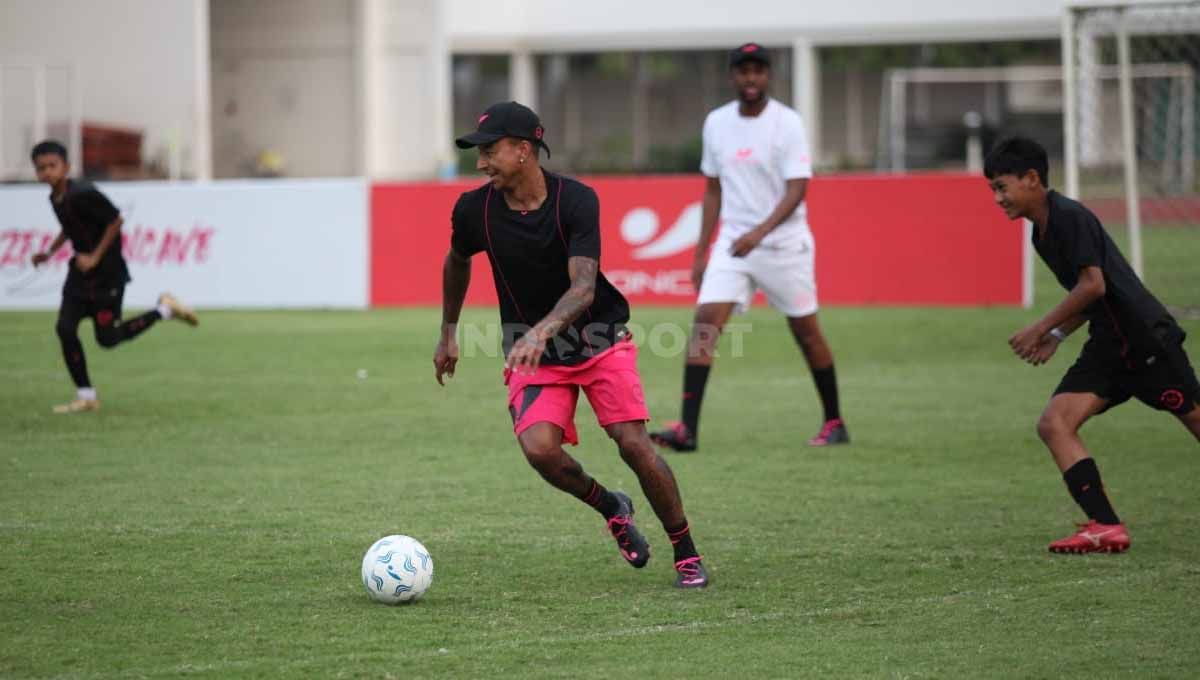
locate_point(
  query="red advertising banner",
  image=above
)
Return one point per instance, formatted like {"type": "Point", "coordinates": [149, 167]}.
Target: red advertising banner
{"type": "Point", "coordinates": [880, 240]}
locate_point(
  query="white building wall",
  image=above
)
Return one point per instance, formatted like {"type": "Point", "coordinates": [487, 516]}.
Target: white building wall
{"type": "Point", "coordinates": [137, 60]}
{"type": "Point", "coordinates": [284, 83]}
{"type": "Point", "coordinates": [405, 63]}
{"type": "Point", "coordinates": [289, 75]}
{"type": "Point", "coordinates": [330, 87]}
{"type": "Point", "coordinates": [502, 25]}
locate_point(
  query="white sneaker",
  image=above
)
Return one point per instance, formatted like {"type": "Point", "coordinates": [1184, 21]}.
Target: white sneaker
{"type": "Point", "coordinates": [78, 406]}
{"type": "Point", "coordinates": [178, 310]}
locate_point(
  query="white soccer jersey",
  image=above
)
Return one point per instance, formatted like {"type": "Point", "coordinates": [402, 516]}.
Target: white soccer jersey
{"type": "Point", "coordinates": [753, 158]}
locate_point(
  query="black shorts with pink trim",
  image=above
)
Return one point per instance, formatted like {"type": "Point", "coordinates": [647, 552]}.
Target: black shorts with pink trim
{"type": "Point", "coordinates": [1163, 380]}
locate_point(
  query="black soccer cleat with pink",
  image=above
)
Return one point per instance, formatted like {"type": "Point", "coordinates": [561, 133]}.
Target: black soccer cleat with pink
{"type": "Point", "coordinates": [630, 542]}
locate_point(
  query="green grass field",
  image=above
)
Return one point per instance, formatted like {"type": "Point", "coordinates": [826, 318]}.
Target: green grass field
{"type": "Point", "coordinates": [210, 520]}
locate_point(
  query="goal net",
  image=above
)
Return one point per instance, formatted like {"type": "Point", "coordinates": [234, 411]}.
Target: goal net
{"type": "Point", "coordinates": [1132, 128]}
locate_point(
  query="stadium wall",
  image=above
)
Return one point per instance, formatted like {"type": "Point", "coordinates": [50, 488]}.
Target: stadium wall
{"type": "Point", "coordinates": [281, 243]}
{"type": "Point", "coordinates": [912, 240]}
{"type": "Point", "coordinates": [932, 239]}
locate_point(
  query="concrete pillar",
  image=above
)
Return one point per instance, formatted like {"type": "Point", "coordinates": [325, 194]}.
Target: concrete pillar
{"type": "Point", "coordinates": [806, 91]}
{"type": "Point", "coordinates": [522, 78]}
{"type": "Point", "coordinates": [403, 65]}
{"type": "Point", "coordinates": [202, 157]}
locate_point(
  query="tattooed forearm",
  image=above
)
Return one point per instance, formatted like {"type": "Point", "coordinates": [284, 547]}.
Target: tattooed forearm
{"type": "Point", "coordinates": [573, 302]}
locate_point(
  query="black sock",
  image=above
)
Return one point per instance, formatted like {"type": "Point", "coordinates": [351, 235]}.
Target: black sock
{"type": "Point", "coordinates": [135, 326]}
{"type": "Point", "coordinates": [826, 381]}
{"type": "Point", "coordinates": [603, 500]}
{"type": "Point", "coordinates": [113, 332]}
{"type": "Point", "coordinates": [681, 541]}
{"type": "Point", "coordinates": [1083, 481]}
{"type": "Point", "coordinates": [695, 376]}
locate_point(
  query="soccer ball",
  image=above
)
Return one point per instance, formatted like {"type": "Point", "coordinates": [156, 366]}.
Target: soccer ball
{"type": "Point", "coordinates": [397, 569]}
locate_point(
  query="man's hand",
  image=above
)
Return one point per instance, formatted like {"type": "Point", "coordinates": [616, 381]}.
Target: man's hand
{"type": "Point", "coordinates": [86, 262]}
{"type": "Point", "coordinates": [526, 354]}
{"type": "Point", "coordinates": [698, 268]}
{"type": "Point", "coordinates": [40, 258]}
{"type": "Point", "coordinates": [747, 242]}
{"type": "Point", "coordinates": [445, 357]}
{"type": "Point", "coordinates": [1026, 341]}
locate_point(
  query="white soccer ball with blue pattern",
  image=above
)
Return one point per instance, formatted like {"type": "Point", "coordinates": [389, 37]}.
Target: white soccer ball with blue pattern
{"type": "Point", "coordinates": [397, 569]}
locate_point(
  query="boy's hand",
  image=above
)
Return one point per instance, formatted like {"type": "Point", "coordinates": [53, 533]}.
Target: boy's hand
{"type": "Point", "coordinates": [40, 258]}
{"type": "Point", "coordinates": [1044, 351]}
{"type": "Point", "coordinates": [86, 262]}
{"type": "Point", "coordinates": [1026, 341]}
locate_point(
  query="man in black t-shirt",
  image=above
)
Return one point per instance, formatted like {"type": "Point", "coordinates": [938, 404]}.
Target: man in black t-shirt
{"type": "Point", "coordinates": [96, 275]}
{"type": "Point", "coordinates": [1134, 346]}
{"type": "Point", "coordinates": [563, 328]}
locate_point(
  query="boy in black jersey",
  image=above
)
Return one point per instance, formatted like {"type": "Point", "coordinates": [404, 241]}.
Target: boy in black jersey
{"type": "Point", "coordinates": [564, 328]}
{"type": "Point", "coordinates": [97, 274]}
{"type": "Point", "coordinates": [1134, 346]}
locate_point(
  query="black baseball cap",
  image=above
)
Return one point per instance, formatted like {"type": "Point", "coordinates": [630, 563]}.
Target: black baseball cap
{"type": "Point", "coordinates": [506, 119]}
{"type": "Point", "coordinates": [749, 52]}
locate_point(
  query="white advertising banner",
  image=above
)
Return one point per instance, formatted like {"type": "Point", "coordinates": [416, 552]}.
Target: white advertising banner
{"type": "Point", "coordinates": [251, 243]}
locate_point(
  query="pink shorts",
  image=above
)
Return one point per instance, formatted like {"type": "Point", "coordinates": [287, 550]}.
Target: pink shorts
{"type": "Point", "coordinates": [610, 380]}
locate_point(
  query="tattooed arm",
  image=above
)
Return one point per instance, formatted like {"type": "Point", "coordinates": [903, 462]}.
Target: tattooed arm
{"type": "Point", "coordinates": [526, 354]}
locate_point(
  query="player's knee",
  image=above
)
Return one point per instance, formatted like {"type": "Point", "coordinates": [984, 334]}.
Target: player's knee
{"type": "Point", "coordinates": [632, 444]}
{"type": "Point", "coordinates": [708, 324]}
{"type": "Point", "coordinates": [1050, 426]}
{"type": "Point", "coordinates": [64, 330]}
{"type": "Point", "coordinates": [1192, 421]}
{"type": "Point", "coordinates": [108, 337]}
{"type": "Point", "coordinates": [542, 452]}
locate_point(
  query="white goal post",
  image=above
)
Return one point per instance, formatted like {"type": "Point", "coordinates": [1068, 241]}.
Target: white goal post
{"type": "Point", "coordinates": [897, 105]}
{"type": "Point", "coordinates": [1137, 141]}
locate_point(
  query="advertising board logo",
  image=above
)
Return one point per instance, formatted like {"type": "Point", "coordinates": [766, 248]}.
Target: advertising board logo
{"type": "Point", "coordinates": [640, 227]}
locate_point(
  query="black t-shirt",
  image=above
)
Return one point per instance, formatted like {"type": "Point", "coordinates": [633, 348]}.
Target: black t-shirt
{"type": "Point", "coordinates": [84, 214]}
{"type": "Point", "coordinates": [1128, 320]}
{"type": "Point", "coordinates": [528, 252]}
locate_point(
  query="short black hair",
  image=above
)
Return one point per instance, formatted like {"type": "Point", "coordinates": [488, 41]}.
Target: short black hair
{"type": "Point", "coordinates": [1017, 156]}
{"type": "Point", "coordinates": [48, 146]}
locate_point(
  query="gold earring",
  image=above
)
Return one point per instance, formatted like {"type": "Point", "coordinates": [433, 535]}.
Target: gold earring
{"type": "Point", "coordinates": [522, 159]}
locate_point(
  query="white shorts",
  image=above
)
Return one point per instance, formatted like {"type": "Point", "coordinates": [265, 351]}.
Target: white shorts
{"type": "Point", "coordinates": [784, 273]}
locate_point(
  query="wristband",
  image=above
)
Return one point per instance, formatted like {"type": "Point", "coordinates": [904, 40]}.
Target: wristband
{"type": "Point", "coordinates": [1058, 335]}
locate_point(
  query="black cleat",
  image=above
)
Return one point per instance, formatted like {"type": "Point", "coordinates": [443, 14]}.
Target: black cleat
{"type": "Point", "coordinates": [676, 437]}
{"type": "Point", "coordinates": [832, 432]}
{"type": "Point", "coordinates": [630, 542]}
{"type": "Point", "coordinates": [692, 573]}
